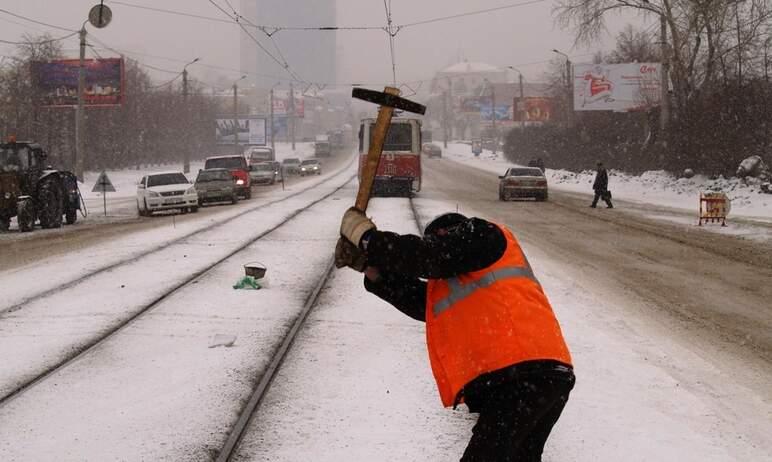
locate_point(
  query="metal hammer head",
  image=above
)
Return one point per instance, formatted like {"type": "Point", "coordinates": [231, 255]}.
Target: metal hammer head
{"type": "Point", "coordinates": [390, 99]}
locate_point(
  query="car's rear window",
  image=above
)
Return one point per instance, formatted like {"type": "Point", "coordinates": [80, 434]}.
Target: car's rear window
{"type": "Point", "coordinates": [225, 162]}
{"type": "Point", "coordinates": [166, 179]}
{"type": "Point", "coordinates": [214, 175]}
{"type": "Point", "coordinates": [525, 172]}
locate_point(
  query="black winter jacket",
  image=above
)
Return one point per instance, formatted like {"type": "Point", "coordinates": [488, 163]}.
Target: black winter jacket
{"type": "Point", "coordinates": [601, 180]}
{"type": "Point", "coordinates": [403, 260]}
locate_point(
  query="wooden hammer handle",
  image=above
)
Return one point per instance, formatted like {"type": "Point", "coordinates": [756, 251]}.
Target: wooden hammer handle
{"type": "Point", "coordinates": [370, 168]}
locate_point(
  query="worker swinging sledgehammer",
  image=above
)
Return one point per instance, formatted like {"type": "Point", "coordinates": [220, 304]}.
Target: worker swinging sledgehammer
{"type": "Point", "coordinates": [494, 342]}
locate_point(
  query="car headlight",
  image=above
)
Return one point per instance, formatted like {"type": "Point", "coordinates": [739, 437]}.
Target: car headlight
{"type": "Point", "coordinates": [316, 167]}
{"type": "Point", "coordinates": [153, 194]}
{"type": "Point", "coordinates": [7, 195]}
{"type": "Point", "coordinates": [191, 190]}
{"type": "Point", "coordinates": [240, 182]}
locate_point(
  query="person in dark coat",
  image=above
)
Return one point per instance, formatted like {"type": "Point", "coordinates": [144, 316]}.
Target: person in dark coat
{"type": "Point", "coordinates": [518, 404]}
{"type": "Point", "coordinates": [600, 186]}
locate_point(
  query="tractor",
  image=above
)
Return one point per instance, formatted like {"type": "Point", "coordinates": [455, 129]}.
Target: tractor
{"type": "Point", "coordinates": [31, 191]}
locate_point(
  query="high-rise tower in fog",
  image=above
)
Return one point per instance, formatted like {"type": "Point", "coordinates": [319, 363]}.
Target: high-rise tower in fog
{"type": "Point", "coordinates": [310, 54]}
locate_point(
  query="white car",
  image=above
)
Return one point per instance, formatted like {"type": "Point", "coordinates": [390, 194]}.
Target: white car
{"type": "Point", "coordinates": [166, 191]}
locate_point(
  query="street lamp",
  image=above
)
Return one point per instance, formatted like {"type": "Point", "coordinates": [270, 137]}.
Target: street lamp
{"type": "Point", "coordinates": [186, 154]}
{"type": "Point", "coordinates": [569, 89]}
{"type": "Point", "coordinates": [522, 96]}
{"type": "Point", "coordinates": [236, 113]}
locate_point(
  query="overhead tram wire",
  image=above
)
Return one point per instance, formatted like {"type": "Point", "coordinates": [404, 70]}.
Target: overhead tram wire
{"type": "Point", "coordinates": [235, 19]}
{"type": "Point", "coordinates": [39, 42]}
{"type": "Point", "coordinates": [35, 21]}
{"type": "Point", "coordinates": [391, 33]}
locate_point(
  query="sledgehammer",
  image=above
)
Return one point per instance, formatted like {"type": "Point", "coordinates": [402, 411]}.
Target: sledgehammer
{"type": "Point", "coordinates": [388, 100]}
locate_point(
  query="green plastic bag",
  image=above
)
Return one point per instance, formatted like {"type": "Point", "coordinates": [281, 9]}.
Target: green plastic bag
{"type": "Point", "coordinates": [247, 282]}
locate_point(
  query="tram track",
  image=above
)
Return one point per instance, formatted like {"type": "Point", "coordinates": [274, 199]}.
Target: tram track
{"type": "Point", "coordinates": [158, 248]}
{"type": "Point", "coordinates": [230, 449]}
{"type": "Point", "coordinates": [79, 349]}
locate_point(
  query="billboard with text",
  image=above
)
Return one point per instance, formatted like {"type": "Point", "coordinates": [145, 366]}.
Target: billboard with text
{"type": "Point", "coordinates": [244, 130]}
{"type": "Point", "coordinates": [616, 87]}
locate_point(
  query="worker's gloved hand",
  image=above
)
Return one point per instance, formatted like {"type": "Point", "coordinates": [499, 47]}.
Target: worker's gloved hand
{"type": "Point", "coordinates": [354, 225]}
{"type": "Point", "coordinates": [347, 254]}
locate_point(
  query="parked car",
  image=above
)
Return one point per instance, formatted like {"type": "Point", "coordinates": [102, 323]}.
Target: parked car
{"type": "Point", "coordinates": [238, 168]}
{"type": "Point", "coordinates": [310, 167]}
{"type": "Point", "coordinates": [263, 173]}
{"type": "Point", "coordinates": [166, 191]}
{"type": "Point", "coordinates": [291, 165]}
{"type": "Point", "coordinates": [523, 182]}
{"type": "Point", "coordinates": [431, 150]}
{"type": "Point", "coordinates": [216, 185]}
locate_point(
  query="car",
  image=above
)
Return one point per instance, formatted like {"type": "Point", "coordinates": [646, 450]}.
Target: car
{"type": "Point", "coordinates": [166, 191]}
{"type": "Point", "coordinates": [239, 169]}
{"type": "Point", "coordinates": [431, 150]}
{"type": "Point", "coordinates": [523, 182]}
{"type": "Point", "coordinates": [260, 154]}
{"type": "Point", "coordinates": [216, 185]}
{"type": "Point", "coordinates": [263, 173]}
{"type": "Point", "coordinates": [291, 165]}
{"type": "Point", "coordinates": [310, 167]}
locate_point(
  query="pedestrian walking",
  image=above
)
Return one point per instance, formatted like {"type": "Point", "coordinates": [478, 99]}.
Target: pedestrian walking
{"type": "Point", "coordinates": [600, 186]}
{"type": "Point", "coordinates": [493, 340]}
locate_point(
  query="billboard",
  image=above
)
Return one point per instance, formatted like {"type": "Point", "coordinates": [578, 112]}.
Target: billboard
{"type": "Point", "coordinates": [616, 87]}
{"type": "Point", "coordinates": [503, 111]}
{"type": "Point", "coordinates": [281, 106]}
{"type": "Point", "coordinates": [534, 109]}
{"type": "Point", "coordinates": [244, 130]}
{"type": "Point", "coordinates": [58, 81]}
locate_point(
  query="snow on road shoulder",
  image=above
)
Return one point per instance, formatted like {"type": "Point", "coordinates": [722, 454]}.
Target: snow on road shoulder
{"type": "Point", "coordinates": [654, 187]}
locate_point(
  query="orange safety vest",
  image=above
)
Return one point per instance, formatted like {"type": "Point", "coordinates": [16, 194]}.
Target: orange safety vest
{"type": "Point", "coordinates": [487, 320]}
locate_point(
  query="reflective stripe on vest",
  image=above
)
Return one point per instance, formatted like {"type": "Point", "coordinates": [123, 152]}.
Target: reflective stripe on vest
{"type": "Point", "coordinates": [460, 291]}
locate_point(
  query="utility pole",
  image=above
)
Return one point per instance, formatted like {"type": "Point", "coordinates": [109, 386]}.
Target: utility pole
{"type": "Point", "coordinates": [522, 101]}
{"type": "Point", "coordinates": [664, 110]}
{"type": "Point", "coordinates": [493, 117]}
{"type": "Point", "coordinates": [445, 118]}
{"type": "Point", "coordinates": [273, 135]}
{"type": "Point", "coordinates": [236, 118]}
{"type": "Point", "coordinates": [570, 90]}
{"type": "Point", "coordinates": [292, 114]}
{"type": "Point", "coordinates": [80, 119]}
{"type": "Point", "coordinates": [186, 145]}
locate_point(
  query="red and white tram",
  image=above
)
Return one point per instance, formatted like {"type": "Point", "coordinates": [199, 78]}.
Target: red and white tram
{"type": "Point", "coordinates": [399, 171]}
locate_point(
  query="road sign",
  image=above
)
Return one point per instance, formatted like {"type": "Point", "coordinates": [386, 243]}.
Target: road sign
{"type": "Point", "coordinates": [100, 16]}
{"type": "Point", "coordinates": [103, 184]}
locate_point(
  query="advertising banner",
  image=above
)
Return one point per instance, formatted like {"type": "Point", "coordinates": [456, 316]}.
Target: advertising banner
{"type": "Point", "coordinates": [281, 106]}
{"type": "Point", "coordinates": [616, 87]}
{"type": "Point", "coordinates": [244, 130]}
{"type": "Point", "coordinates": [58, 81]}
{"type": "Point", "coordinates": [533, 109]}
{"type": "Point", "coordinates": [470, 105]}
{"type": "Point", "coordinates": [503, 112]}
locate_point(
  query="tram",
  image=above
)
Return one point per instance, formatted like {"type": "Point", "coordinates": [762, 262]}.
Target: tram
{"type": "Point", "coordinates": [399, 171]}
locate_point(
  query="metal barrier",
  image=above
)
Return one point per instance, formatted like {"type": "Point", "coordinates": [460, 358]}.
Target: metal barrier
{"type": "Point", "coordinates": [714, 207]}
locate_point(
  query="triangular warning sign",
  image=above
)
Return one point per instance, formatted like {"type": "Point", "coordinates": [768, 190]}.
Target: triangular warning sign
{"type": "Point", "coordinates": [103, 184]}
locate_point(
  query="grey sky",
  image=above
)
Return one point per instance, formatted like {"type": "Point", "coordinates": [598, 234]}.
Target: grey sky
{"type": "Point", "coordinates": [509, 37]}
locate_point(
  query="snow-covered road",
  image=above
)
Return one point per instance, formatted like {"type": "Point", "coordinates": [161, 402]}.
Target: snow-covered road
{"type": "Point", "coordinates": [670, 341]}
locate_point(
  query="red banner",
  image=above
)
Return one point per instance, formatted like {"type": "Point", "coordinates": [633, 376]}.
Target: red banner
{"type": "Point", "coordinates": [533, 109]}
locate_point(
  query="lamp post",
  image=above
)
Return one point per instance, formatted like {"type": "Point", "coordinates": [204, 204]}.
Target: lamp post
{"type": "Point", "coordinates": [236, 113]}
{"type": "Point", "coordinates": [186, 154]}
{"type": "Point", "coordinates": [569, 89]}
{"type": "Point", "coordinates": [273, 134]}
{"type": "Point", "coordinates": [522, 96]}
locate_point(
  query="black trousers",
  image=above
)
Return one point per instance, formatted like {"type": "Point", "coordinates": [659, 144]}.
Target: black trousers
{"type": "Point", "coordinates": [601, 195]}
{"type": "Point", "coordinates": [516, 418]}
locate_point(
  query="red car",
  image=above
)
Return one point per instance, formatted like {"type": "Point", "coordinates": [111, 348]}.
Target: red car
{"type": "Point", "coordinates": [239, 169]}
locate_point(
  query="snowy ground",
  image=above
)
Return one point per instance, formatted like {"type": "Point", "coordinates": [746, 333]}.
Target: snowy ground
{"type": "Point", "coordinates": [656, 187]}
{"type": "Point", "coordinates": [357, 384]}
